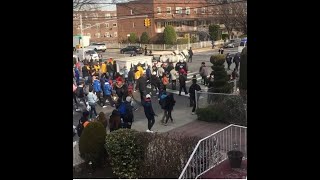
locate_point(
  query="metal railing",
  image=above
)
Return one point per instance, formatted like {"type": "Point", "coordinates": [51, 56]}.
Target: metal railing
{"type": "Point", "coordinates": [212, 150]}
{"type": "Point", "coordinates": [76, 155]}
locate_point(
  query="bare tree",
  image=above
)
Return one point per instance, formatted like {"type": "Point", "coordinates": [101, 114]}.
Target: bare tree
{"type": "Point", "coordinates": [80, 5]}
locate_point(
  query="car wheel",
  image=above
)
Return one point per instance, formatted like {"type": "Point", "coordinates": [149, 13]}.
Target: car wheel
{"type": "Point", "coordinates": [95, 49]}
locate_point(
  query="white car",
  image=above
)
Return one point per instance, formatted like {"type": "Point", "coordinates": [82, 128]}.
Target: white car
{"type": "Point", "coordinates": [88, 54]}
{"type": "Point", "coordinates": [98, 47]}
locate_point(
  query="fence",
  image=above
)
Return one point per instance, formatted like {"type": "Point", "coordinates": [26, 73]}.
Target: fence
{"type": "Point", "coordinates": [76, 155]}
{"type": "Point", "coordinates": [212, 150]}
{"type": "Point", "coordinates": [165, 47]}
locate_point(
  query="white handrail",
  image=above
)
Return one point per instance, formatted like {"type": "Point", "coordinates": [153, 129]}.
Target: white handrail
{"type": "Point", "coordinates": [196, 148]}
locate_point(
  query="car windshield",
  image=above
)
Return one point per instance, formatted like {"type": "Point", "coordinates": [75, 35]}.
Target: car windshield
{"type": "Point", "coordinates": [91, 52]}
{"type": "Point", "coordinates": [100, 44]}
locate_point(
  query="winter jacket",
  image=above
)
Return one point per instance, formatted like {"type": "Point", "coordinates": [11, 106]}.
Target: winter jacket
{"type": "Point", "coordinates": [107, 88]}
{"type": "Point", "coordinates": [125, 72]}
{"type": "Point", "coordinates": [129, 112]}
{"type": "Point", "coordinates": [204, 71]}
{"type": "Point", "coordinates": [114, 121]}
{"type": "Point", "coordinates": [160, 71]}
{"type": "Point", "coordinates": [148, 73]}
{"type": "Point", "coordinates": [148, 110]}
{"type": "Point", "coordinates": [130, 75]}
{"type": "Point", "coordinates": [192, 90]}
{"type": "Point", "coordinates": [92, 98]}
{"type": "Point", "coordinates": [236, 58]}
{"type": "Point", "coordinates": [182, 80]}
{"type": "Point", "coordinates": [103, 68]}
{"type": "Point", "coordinates": [169, 68]}
{"type": "Point", "coordinates": [141, 84]}
{"type": "Point", "coordinates": [155, 80]}
{"type": "Point", "coordinates": [173, 74]}
{"type": "Point", "coordinates": [110, 68]}
{"type": "Point", "coordinates": [170, 102]}
{"type": "Point", "coordinates": [85, 71]}
{"type": "Point", "coordinates": [97, 86]}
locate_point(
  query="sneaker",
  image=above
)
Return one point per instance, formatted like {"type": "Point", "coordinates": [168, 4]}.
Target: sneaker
{"type": "Point", "coordinates": [104, 106]}
{"type": "Point", "coordinates": [192, 113]}
{"type": "Point", "coordinates": [151, 131]}
{"type": "Point", "coordinates": [148, 130]}
{"type": "Point", "coordinates": [107, 101]}
{"type": "Point", "coordinates": [166, 124]}
{"type": "Point", "coordinates": [77, 110]}
{"type": "Point", "coordinates": [157, 93]}
{"type": "Point", "coordinates": [134, 91]}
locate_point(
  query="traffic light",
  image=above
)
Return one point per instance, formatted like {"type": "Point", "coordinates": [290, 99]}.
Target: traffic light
{"type": "Point", "coordinates": [147, 22]}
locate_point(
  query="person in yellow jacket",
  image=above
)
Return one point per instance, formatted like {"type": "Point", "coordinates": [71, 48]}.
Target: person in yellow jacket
{"type": "Point", "coordinates": [96, 67]}
{"type": "Point", "coordinates": [103, 68]}
{"type": "Point", "coordinates": [140, 69]}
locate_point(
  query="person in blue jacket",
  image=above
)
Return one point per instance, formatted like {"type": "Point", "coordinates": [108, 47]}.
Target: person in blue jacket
{"type": "Point", "coordinates": [97, 89]}
{"type": "Point", "coordinates": [107, 92]}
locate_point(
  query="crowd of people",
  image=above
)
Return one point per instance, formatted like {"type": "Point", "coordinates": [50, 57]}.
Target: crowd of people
{"type": "Point", "coordinates": [101, 83]}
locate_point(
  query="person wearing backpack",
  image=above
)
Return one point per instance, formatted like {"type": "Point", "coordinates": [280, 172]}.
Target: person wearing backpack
{"type": "Point", "coordinates": [114, 121]}
{"type": "Point", "coordinates": [97, 89]}
{"type": "Point", "coordinates": [83, 121]}
{"type": "Point", "coordinates": [92, 100]}
{"type": "Point", "coordinates": [148, 111]}
{"type": "Point", "coordinates": [127, 113]}
{"type": "Point", "coordinates": [162, 102]}
{"type": "Point", "coordinates": [182, 83]}
{"type": "Point", "coordinates": [192, 90]}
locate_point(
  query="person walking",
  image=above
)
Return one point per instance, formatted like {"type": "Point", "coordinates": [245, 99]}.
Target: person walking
{"type": "Point", "coordinates": [170, 102]}
{"type": "Point", "coordinates": [128, 118]}
{"type": "Point", "coordinates": [92, 100]}
{"type": "Point", "coordinates": [155, 82]}
{"type": "Point", "coordinates": [190, 55]}
{"type": "Point", "coordinates": [114, 121]}
{"type": "Point", "coordinates": [173, 74]}
{"type": "Point", "coordinates": [236, 60]}
{"type": "Point", "coordinates": [98, 91]}
{"type": "Point", "coordinates": [229, 60]}
{"type": "Point", "coordinates": [182, 83]}
{"type": "Point", "coordinates": [149, 112]}
{"type": "Point", "coordinates": [204, 73]}
{"type": "Point", "coordinates": [142, 86]}
{"type": "Point", "coordinates": [192, 90]}
{"type": "Point", "coordinates": [165, 81]}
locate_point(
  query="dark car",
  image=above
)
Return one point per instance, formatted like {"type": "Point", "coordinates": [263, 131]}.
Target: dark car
{"type": "Point", "coordinates": [131, 49]}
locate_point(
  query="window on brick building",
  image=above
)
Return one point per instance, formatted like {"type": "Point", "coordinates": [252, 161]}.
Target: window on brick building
{"type": "Point", "coordinates": [98, 26]}
{"type": "Point", "coordinates": [88, 25]}
{"type": "Point", "coordinates": [188, 10]}
{"type": "Point", "coordinates": [203, 10]}
{"type": "Point", "coordinates": [131, 12]}
{"type": "Point", "coordinates": [115, 34]}
{"type": "Point", "coordinates": [97, 35]}
{"type": "Point", "coordinates": [114, 24]}
{"type": "Point", "coordinates": [107, 25]}
{"type": "Point", "coordinates": [195, 10]}
{"type": "Point", "coordinates": [178, 10]}
{"type": "Point", "coordinates": [107, 34]}
{"type": "Point", "coordinates": [168, 10]}
{"type": "Point", "coordinates": [107, 15]}
{"type": "Point", "coordinates": [133, 25]}
{"type": "Point", "coordinates": [159, 10]}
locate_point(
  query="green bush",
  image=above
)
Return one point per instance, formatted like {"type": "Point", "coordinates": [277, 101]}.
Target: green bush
{"type": "Point", "coordinates": [125, 153]}
{"type": "Point", "coordinates": [132, 38]}
{"type": "Point", "coordinates": [214, 31]}
{"type": "Point", "coordinates": [224, 109]}
{"type": "Point", "coordinates": [193, 39]}
{"type": "Point", "coordinates": [169, 35]}
{"type": "Point", "coordinates": [225, 36]}
{"type": "Point", "coordinates": [243, 36]}
{"type": "Point", "coordinates": [182, 41]}
{"type": "Point", "coordinates": [144, 38]}
{"type": "Point", "coordinates": [91, 143]}
{"type": "Point", "coordinates": [221, 78]}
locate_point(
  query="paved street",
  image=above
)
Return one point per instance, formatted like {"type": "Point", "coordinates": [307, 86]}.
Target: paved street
{"type": "Point", "coordinates": [182, 111]}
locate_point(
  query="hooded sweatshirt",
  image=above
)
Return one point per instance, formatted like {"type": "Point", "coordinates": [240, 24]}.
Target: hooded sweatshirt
{"type": "Point", "coordinates": [92, 98]}
{"type": "Point", "coordinates": [96, 85]}
{"type": "Point", "coordinates": [148, 110]}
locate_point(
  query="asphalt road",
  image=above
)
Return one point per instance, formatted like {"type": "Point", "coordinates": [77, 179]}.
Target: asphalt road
{"type": "Point", "coordinates": [182, 102]}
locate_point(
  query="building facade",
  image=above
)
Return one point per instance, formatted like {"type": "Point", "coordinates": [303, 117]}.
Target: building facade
{"type": "Point", "coordinates": [101, 26]}
{"type": "Point", "coordinates": [190, 18]}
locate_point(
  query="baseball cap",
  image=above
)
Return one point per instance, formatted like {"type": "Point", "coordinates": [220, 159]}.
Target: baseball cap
{"type": "Point", "coordinates": [148, 96]}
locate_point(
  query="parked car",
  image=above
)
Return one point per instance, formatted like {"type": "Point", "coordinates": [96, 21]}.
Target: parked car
{"type": "Point", "coordinates": [131, 49]}
{"type": "Point", "coordinates": [88, 54]}
{"type": "Point", "coordinates": [229, 45]}
{"type": "Point", "coordinates": [98, 47]}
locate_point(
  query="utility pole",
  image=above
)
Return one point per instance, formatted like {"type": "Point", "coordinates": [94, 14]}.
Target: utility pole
{"type": "Point", "coordinates": [81, 32]}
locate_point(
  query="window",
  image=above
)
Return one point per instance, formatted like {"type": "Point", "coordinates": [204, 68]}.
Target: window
{"type": "Point", "coordinates": [115, 34]}
{"type": "Point", "coordinates": [107, 16]}
{"type": "Point", "coordinates": [131, 11]}
{"type": "Point", "coordinates": [159, 10]}
{"type": "Point", "coordinates": [88, 25]}
{"type": "Point", "coordinates": [97, 35]}
{"type": "Point", "coordinates": [107, 34]}
{"type": "Point", "coordinates": [203, 10]}
{"type": "Point", "coordinates": [178, 10]}
{"type": "Point", "coordinates": [168, 10]}
{"type": "Point", "coordinates": [114, 24]}
{"type": "Point", "coordinates": [88, 34]}
{"type": "Point", "coordinates": [133, 25]}
{"type": "Point", "coordinates": [107, 25]}
{"type": "Point", "coordinates": [195, 11]}
{"type": "Point", "coordinates": [187, 10]}
{"type": "Point", "coordinates": [98, 26]}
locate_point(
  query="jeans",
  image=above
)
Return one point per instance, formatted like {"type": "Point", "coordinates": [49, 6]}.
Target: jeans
{"type": "Point", "coordinates": [169, 116]}
{"type": "Point", "coordinates": [150, 122]}
{"type": "Point", "coordinates": [193, 100]}
{"type": "Point", "coordinates": [142, 95]}
{"type": "Point", "coordinates": [93, 110]}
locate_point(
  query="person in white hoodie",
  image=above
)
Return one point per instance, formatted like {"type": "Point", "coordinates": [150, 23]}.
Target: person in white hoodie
{"type": "Point", "coordinates": [92, 100]}
{"type": "Point", "coordinates": [173, 74]}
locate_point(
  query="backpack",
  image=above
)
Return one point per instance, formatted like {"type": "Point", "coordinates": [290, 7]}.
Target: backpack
{"type": "Point", "coordinates": [122, 109]}
{"type": "Point", "coordinates": [162, 101]}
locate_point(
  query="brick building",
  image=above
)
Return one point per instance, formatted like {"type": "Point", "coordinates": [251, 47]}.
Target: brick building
{"type": "Point", "coordinates": [102, 26]}
{"type": "Point", "coordinates": [188, 17]}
